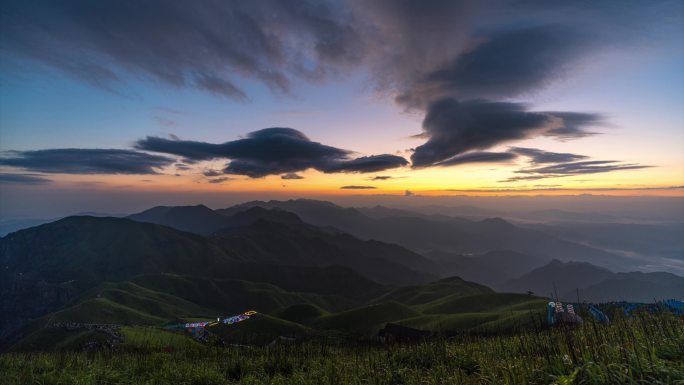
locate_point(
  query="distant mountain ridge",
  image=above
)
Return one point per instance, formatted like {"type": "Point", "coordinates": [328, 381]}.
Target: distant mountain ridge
{"type": "Point", "coordinates": [423, 233]}
{"type": "Point", "coordinates": [202, 220]}
{"type": "Point", "coordinates": [570, 280]}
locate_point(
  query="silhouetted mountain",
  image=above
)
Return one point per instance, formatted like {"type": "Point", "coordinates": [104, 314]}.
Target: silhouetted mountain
{"type": "Point", "coordinates": [91, 249]}
{"type": "Point", "coordinates": [204, 221]}
{"type": "Point", "coordinates": [198, 219]}
{"type": "Point", "coordinates": [315, 212]}
{"type": "Point", "coordinates": [493, 268]}
{"type": "Point", "coordinates": [304, 244]}
{"type": "Point", "coordinates": [558, 277]}
{"type": "Point", "coordinates": [273, 235]}
{"type": "Point", "coordinates": [597, 284]}
{"type": "Point", "coordinates": [379, 212]}
{"type": "Point", "coordinates": [635, 286]}
{"type": "Point", "coordinates": [455, 235]}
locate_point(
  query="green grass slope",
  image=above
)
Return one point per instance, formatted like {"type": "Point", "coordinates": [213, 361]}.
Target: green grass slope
{"type": "Point", "coordinates": [422, 294]}
{"type": "Point", "coordinates": [261, 329]}
{"type": "Point", "coordinates": [227, 296]}
{"type": "Point", "coordinates": [366, 320]}
{"type": "Point", "coordinates": [303, 313]}
{"type": "Point", "coordinates": [489, 302]}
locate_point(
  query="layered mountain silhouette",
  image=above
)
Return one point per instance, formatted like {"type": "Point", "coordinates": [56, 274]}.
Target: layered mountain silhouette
{"type": "Point", "coordinates": [571, 281]}
{"type": "Point", "coordinates": [457, 235]}
{"type": "Point", "coordinates": [311, 266]}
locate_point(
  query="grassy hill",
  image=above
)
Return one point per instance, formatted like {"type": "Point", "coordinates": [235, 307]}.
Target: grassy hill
{"type": "Point", "coordinates": [302, 313]}
{"type": "Point", "coordinates": [366, 320]}
{"type": "Point", "coordinates": [487, 302]}
{"type": "Point", "coordinates": [51, 265]}
{"type": "Point", "coordinates": [228, 295]}
{"type": "Point", "coordinates": [422, 294]}
{"type": "Point", "coordinates": [261, 329]}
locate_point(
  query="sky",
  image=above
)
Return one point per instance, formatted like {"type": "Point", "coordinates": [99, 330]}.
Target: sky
{"type": "Point", "coordinates": [108, 101]}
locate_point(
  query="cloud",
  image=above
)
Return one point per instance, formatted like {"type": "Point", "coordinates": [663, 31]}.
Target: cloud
{"type": "Point", "coordinates": [454, 127]}
{"type": "Point", "coordinates": [380, 177]}
{"type": "Point", "coordinates": [527, 177]}
{"type": "Point", "coordinates": [182, 44]}
{"type": "Point", "coordinates": [478, 157]}
{"type": "Point", "coordinates": [23, 179]}
{"type": "Point", "coordinates": [504, 64]}
{"type": "Point", "coordinates": [546, 164]}
{"type": "Point", "coordinates": [437, 57]}
{"type": "Point", "coordinates": [182, 166]}
{"type": "Point", "coordinates": [550, 188]}
{"type": "Point", "coordinates": [272, 151]}
{"type": "Point", "coordinates": [291, 176]}
{"type": "Point", "coordinates": [458, 62]}
{"type": "Point", "coordinates": [211, 172]}
{"type": "Point", "coordinates": [86, 161]}
{"type": "Point", "coordinates": [219, 180]}
{"type": "Point", "coordinates": [540, 156]}
{"type": "Point", "coordinates": [358, 187]}
{"type": "Point", "coordinates": [572, 168]}
{"type": "Point", "coordinates": [480, 49]}
{"type": "Point", "coordinates": [573, 124]}
{"type": "Point", "coordinates": [371, 163]}
{"type": "Point", "coordinates": [580, 168]}
{"type": "Point", "coordinates": [266, 145]}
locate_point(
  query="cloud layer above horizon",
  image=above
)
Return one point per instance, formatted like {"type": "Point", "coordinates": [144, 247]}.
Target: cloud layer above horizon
{"type": "Point", "coordinates": [464, 66]}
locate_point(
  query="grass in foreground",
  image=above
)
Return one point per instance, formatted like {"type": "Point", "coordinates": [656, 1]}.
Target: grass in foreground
{"type": "Point", "coordinates": [646, 349]}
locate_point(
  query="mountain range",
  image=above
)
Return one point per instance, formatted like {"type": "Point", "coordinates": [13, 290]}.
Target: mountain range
{"type": "Point", "coordinates": [306, 265]}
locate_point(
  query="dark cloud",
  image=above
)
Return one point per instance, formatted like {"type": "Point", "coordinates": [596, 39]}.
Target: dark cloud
{"type": "Point", "coordinates": [527, 177]}
{"type": "Point", "coordinates": [475, 48]}
{"type": "Point", "coordinates": [478, 157]}
{"type": "Point", "coordinates": [545, 164]}
{"type": "Point", "coordinates": [540, 156]}
{"type": "Point", "coordinates": [291, 176]}
{"type": "Point", "coordinates": [262, 146]}
{"type": "Point", "coordinates": [506, 63]}
{"type": "Point", "coordinates": [182, 166]}
{"type": "Point", "coordinates": [380, 177]}
{"type": "Point", "coordinates": [219, 180]}
{"type": "Point", "coordinates": [272, 151]}
{"type": "Point", "coordinates": [211, 172]}
{"type": "Point", "coordinates": [551, 188]}
{"type": "Point", "coordinates": [454, 127]}
{"type": "Point", "coordinates": [86, 161]}
{"type": "Point", "coordinates": [434, 56]}
{"type": "Point", "coordinates": [371, 163]}
{"type": "Point", "coordinates": [580, 168]}
{"type": "Point", "coordinates": [358, 187]}
{"type": "Point", "coordinates": [23, 179]}
{"type": "Point", "coordinates": [183, 44]}
{"type": "Point", "coordinates": [573, 124]}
